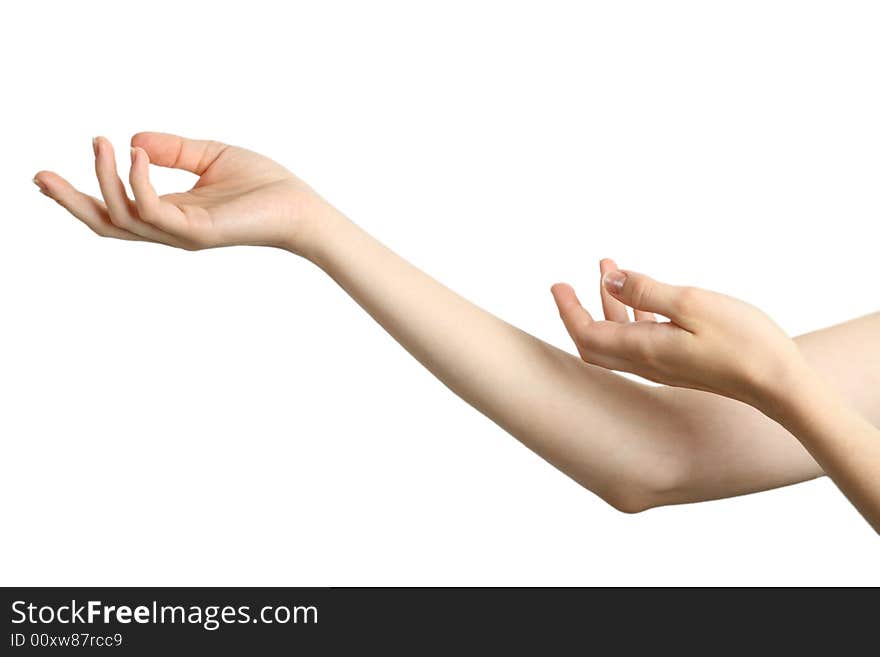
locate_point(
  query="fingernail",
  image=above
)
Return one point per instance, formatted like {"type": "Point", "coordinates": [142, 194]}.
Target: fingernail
{"type": "Point", "coordinates": [95, 145]}
{"type": "Point", "coordinates": [133, 154]}
{"type": "Point", "coordinates": [40, 185]}
{"type": "Point", "coordinates": [613, 281]}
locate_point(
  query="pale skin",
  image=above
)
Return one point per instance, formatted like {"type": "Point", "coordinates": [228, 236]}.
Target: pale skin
{"type": "Point", "coordinates": [715, 343]}
{"type": "Point", "coordinates": [714, 431]}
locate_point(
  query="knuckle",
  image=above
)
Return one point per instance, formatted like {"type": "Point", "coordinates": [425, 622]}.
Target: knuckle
{"type": "Point", "coordinates": [120, 218]}
{"type": "Point", "coordinates": [651, 355]}
{"type": "Point", "coordinates": [602, 340]}
{"type": "Point", "coordinates": [641, 293]}
{"type": "Point", "coordinates": [210, 152]}
{"type": "Point", "coordinates": [582, 333]}
{"type": "Point", "coordinates": [636, 348]}
{"type": "Point", "coordinates": [146, 212]}
{"type": "Point", "coordinates": [643, 350]}
{"type": "Point", "coordinates": [688, 300]}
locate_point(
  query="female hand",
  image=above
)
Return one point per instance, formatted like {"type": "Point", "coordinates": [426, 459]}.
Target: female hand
{"type": "Point", "coordinates": [240, 198]}
{"type": "Point", "coordinates": [713, 342]}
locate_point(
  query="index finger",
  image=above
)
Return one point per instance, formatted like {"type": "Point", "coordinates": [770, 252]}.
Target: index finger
{"type": "Point", "coordinates": [614, 309]}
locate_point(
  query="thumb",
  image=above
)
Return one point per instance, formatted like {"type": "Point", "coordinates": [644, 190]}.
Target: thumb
{"type": "Point", "coordinates": [165, 150]}
{"type": "Point", "coordinates": [644, 293]}
{"type": "Point", "coordinates": [574, 316]}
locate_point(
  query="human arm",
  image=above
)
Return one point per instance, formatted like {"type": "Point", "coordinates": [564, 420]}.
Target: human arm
{"type": "Point", "coordinates": [839, 438]}
{"type": "Point", "coordinates": [635, 445]}
{"type": "Point", "coordinates": [720, 345]}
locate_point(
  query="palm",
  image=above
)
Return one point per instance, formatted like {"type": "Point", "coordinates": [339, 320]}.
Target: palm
{"type": "Point", "coordinates": [240, 198]}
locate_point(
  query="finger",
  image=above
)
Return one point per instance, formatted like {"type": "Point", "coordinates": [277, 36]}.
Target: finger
{"type": "Point", "coordinates": [574, 316]}
{"type": "Point", "coordinates": [165, 216]}
{"type": "Point", "coordinates": [643, 316]}
{"type": "Point", "coordinates": [122, 211]}
{"type": "Point", "coordinates": [632, 347]}
{"type": "Point", "coordinates": [166, 150]}
{"type": "Point", "coordinates": [610, 344]}
{"type": "Point", "coordinates": [644, 293]}
{"type": "Point", "coordinates": [119, 206]}
{"type": "Point", "coordinates": [614, 310]}
{"type": "Point", "coordinates": [88, 209]}
{"type": "Point", "coordinates": [606, 360]}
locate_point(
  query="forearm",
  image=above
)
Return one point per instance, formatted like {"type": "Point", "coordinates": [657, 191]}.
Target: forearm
{"type": "Point", "coordinates": [841, 440]}
{"type": "Point", "coordinates": [597, 427]}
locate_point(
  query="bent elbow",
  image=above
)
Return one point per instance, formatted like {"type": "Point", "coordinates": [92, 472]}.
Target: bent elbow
{"type": "Point", "coordinates": [637, 491]}
{"type": "Point", "coordinates": [629, 503]}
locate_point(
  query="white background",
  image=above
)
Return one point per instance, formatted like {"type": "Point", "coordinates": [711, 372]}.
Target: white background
{"type": "Point", "coordinates": [231, 417]}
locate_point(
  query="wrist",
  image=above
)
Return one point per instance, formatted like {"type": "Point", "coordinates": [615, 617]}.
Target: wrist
{"type": "Point", "coordinates": [784, 387]}
{"type": "Point", "coordinates": [311, 226]}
